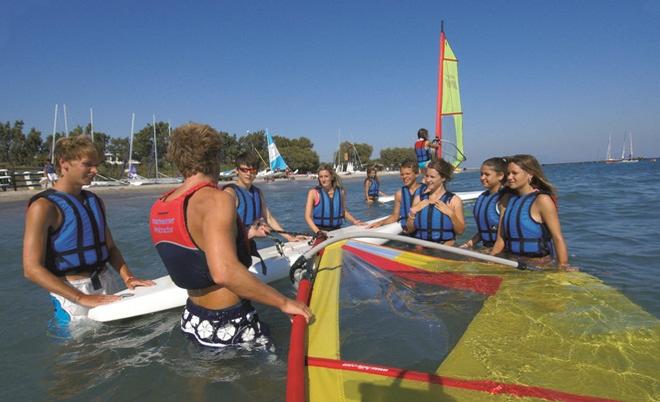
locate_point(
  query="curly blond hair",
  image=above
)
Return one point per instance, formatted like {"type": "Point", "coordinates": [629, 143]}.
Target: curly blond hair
{"type": "Point", "coordinates": [195, 148]}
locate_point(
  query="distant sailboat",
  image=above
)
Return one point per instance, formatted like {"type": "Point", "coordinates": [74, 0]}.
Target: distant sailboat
{"type": "Point", "coordinates": [609, 151]}
{"type": "Point", "coordinates": [277, 167]}
{"type": "Point", "coordinates": [630, 158]}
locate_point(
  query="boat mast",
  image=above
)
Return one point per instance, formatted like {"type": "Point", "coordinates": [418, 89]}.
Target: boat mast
{"type": "Point", "coordinates": [438, 113]}
{"type": "Point", "coordinates": [609, 148]}
{"type": "Point", "coordinates": [623, 149]}
{"type": "Point", "coordinates": [631, 149]}
{"type": "Point", "coordinates": [91, 123]}
{"type": "Point", "coordinates": [155, 146]}
{"type": "Point", "coordinates": [130, 145]}
{"type": "Point", "coordinates": [66, 125]}
{"type": "Point", "coordinates": [52, 145]}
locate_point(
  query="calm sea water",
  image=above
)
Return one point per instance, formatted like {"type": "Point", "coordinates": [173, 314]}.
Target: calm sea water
{"type": "Point", "coordinates": [609, 216]}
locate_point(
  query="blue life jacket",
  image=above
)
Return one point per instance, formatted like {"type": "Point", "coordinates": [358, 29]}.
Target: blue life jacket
{"type": "Point", "coordinates": [249, 203]}
{"type": "Point", "coordinates": [422, 153]}
{"type": "Point", "coordinates": [433, 225]}
{"type": "Point", "coordinates": [521, 233]}
{"type": "Point", "coordinates": [329, 212]}
{"type": "Point", "coordinates": [406, 203]}
{"type": "Point", "coordinates": [79, 244]}
{"type": "Point", "coordinates": [374, 188]}
{"type": "Point", "coordinates": [487, 216]}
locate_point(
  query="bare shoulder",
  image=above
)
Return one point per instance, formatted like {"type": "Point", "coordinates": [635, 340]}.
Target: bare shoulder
{"type": "Point", "coordinates": [229, 189]}
{"type": "Point", "coordinates": [544, 200]}
{"type": "Point", "coordinates": [41, 207]}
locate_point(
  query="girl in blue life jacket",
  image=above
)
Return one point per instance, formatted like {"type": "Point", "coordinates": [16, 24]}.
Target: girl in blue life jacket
{"type": "Point", "coordinates": [372, 185]}
{"type": "Point", "coordinates": [488, 205]}
{"type": "Point", "coordinates": [437, 214]}
{"type": "Point", "coordinates": [325, 209]}
{"type": "Point", "coordinates": [529, 225]}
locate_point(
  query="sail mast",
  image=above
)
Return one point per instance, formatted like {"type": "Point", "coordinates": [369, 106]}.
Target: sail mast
{"type": "Point", "coordinates": [155, 146]}
{"type": "Point", "coordinates": [438, 113]}
{"type": "Point", "coordinates": [91, 123]}
{"type": "Point", "coordinates": [52, 145]}
{"type": "Point", "coordinates": [631, 149]}
{"type": "Point", "coordinates": [130, 146]}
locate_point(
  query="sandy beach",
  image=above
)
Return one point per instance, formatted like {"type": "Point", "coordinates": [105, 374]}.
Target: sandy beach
{"type": "Point", "coordinates": [24, 194]}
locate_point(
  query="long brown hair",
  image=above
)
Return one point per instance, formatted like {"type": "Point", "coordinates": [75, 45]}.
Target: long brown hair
{"type": "Point", "coordinates": [531, 165]}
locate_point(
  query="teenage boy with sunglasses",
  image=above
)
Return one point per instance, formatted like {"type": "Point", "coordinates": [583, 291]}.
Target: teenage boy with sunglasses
{"type": "Point", "coordinates": [251, 204]}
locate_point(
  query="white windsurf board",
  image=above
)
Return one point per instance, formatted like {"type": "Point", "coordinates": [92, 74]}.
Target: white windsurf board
{"type": "Point", "coordinates": [166, 295]}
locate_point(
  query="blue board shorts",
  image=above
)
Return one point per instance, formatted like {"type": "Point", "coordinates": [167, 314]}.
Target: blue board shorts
{"type": "Point", "coordinates": [66, 311]}
{"type": "Point", "coordinates": [423, 165]}
{"type": "Point", "coordinates": [236, 325]}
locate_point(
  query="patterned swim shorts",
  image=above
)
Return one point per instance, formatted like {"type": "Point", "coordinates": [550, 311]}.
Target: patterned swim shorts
{"type": "Point", "coordinates": [236, 325]}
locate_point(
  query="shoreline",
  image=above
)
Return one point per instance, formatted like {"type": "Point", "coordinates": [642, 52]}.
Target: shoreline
{"type": "Point", "coordinates": [25, 194]}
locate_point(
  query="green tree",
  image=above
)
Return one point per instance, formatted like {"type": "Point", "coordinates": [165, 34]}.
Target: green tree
{"type": "Point", "coordinates": [230, 150]}
{"type": "Point", "coordinates": [143, 147]}
{"type": "Point", "coordinates": [254, 142]}
{"type": "Point", "coordinates": [33, 143]}
{"type": "Point", "coordinates": [5, 141]}
{"type": "Point", "coordinates": [358, 153]}
{"type": "Point", "coordinates": [298, 153]}
{"type": "Point", "coordinates": [393, 157]}
{"type": "Point", "coordinates": [119, 147]}
{"type": "Point", "coordinates": [18, 154]}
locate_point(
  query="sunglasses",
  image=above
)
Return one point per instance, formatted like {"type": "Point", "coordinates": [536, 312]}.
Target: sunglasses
{"type": "Point", "coordinates": [247, 169]}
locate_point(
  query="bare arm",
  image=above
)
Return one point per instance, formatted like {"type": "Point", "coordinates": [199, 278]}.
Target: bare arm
{"type": "Point", "coordinates": [273, 223]}
{"type": "Point", "coordinates": [309, 210]}
{"type": "Point", "coordinates": [394, 215]}
{"type": "Point", "coordinates": [217, 217]}
{"type": "Point", "coordinates": [548, 212]}
{"type": "Point", "coordinates": [119, 264]}
{"type": "Point", "coordinates": [40, 217]}
{"type": "Point", "coordinates": [455, 212]}
{"type": "Point", "coordinates": [498, 247]}
{"type": "Point", "coordinates": [417, 206]}
{"type": "Point", "coordinates": [365, 187]}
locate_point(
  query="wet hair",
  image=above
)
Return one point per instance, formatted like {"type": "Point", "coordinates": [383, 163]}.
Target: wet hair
{"type": "Point", "coordinates": [443, 167]}
{"type": "Point", "coordinates": [498, 165]}
{"type": "Point", "coordinates": [410, 165]}
{"type": "Point", "coordinates": [531, 165]}
{"type": "Point", "coordinates": [75, 147]}
{"type": "Point", "coordinates": [423, 133]}
{"type": "Point", "coordinates": [336, 181]}
{"type": "Point", "coordinates": [249, 159]}
{"type": "Point", "coordinates": [195, 148]}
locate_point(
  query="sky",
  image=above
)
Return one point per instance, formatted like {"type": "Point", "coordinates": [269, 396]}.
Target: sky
{"type": "Point", "coordinates": [550, 78]}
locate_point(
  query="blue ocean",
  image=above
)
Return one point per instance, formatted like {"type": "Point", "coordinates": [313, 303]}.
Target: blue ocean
{"type": "Point", "coordinates": [609, 216]}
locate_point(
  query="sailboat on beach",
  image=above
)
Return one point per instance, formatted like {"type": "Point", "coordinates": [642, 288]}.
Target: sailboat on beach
{"type": "Point", "coordinates": [449, 114]}
{"type": "Point", "coordinates": [277, 167]}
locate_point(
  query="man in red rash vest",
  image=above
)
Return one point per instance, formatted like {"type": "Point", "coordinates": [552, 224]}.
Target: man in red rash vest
{"type": "Point", "coordinates": [205, 249]}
